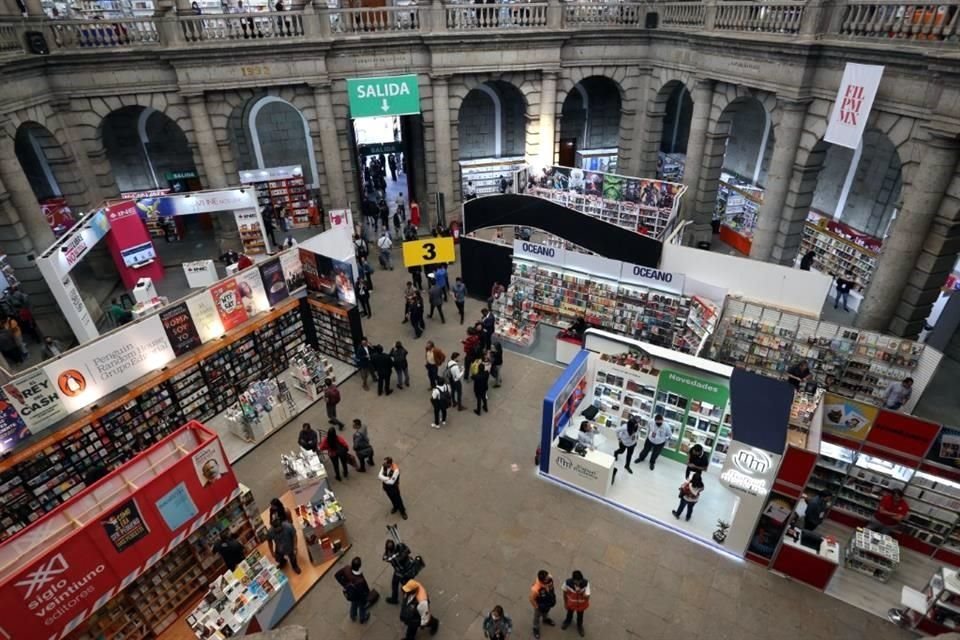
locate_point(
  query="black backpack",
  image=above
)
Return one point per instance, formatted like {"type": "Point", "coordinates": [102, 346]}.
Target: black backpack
{"type": "Point", "coordinates": [408, 612]}
{"type": "Point", "coordinates": [546, 599]}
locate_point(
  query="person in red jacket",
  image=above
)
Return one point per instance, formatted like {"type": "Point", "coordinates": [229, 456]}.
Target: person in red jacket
{"type": "Point", "coordinates": [338, 450]}
{"type": "Point", "coordinates": [470, 349]}
{"type": "Point", "coordinates": [576, 599]}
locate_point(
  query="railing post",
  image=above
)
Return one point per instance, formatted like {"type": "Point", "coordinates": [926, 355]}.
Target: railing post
{"type": "Point", "coordinates": [438, 16]}
{"type": "Point", "coordinates": [710, 15]}
{"type": "Point", "coordinates": [554, 14]}
{"type": "Point", "coordinates": [833, 20]}
{"type": "Point", "coordinates": [313, 18]}
{"type": "Point", "coordinates": [168, 26]}
{"type": "Point", "coordinates": [813, 19]}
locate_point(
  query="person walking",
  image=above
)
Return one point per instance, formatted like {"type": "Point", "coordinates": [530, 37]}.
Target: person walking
{"type": "Point", "coordinates": [364, 363]}
{"type": "Point", "coordinates": [229, 549]}
{"type": "Point", "coordinates": [459, 291]}
{"type": "Point", "coordinates": [385, 244]}
{"type": "Point", "coordinates": [415, 610]}
{"type": "Point", "coordinates": [697, 461]}
{"type": "Point", "coordinates": [362, 446]}
{"type": "Point", "coordinates": [390, 477]}
{"type": "Point", "coordinates": [453, 373]}
{"type": "Point", "coordinates": [627, 435]}
{"type": "Point", "coordinates": [384, 212]}
{"type": "Point", "coordinates": [355, 590]}
{"type": "Point", "coordinates": [416, 316]}
{"type": "Point", "coordinates": [366, 272]}
{"type": "Point", "coordinates": [308, 438]}
{"type": "Point", "coordinates": [409, 293]}
{"type": "Point", "coordinates": [436, 296]}
{"type": "Point", "coordinates": [690, 492]}
{"type": "Point", "coordinates": [267, 216]}
{"type": "Point", "coordinates": [440, 398]}
{"type": "Point", "coordinates": [844, 285]}
{"type": "Point", "coordinates": [481, 382]}
{"type": "Point", "coordinates": [489, 324]}
{"type": "Point", "coordinates": [543, 597]}
{"type": "Point", "coordinates": [657, 437]}
{"type": "Point", "coordinates": [404, 567]}
{"type": "Point", "coordinates": [576, 600]}
{"type": "Point", "coordinates": [360, 247]}
{"type": "Point", "coordinates": [383, 368]}
{"type": "Point", "coordinates": [497, 625]}
{"type": "Point", "coordinates": [440, 273]}
{"type": "Point", "coordinates": [398, 357]}
{"type": "Point", "coordinates": [339, 452]}
{"type": "Point", "coordinates": [282, 542]}
{"type": "Point", "coordinates": [416, 275]}
{"type": "Point", "coordinates": [496, 363]}
{"type": "Point", "coordinates": [363, 297]}
{"type": "Point", "coordinates": [433, 357]}
{"type": "Point", "coordinates": [331, 397]}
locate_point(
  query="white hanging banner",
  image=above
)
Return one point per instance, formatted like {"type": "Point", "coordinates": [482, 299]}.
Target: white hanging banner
{"type": "Point", "coordinates": [852, 106]}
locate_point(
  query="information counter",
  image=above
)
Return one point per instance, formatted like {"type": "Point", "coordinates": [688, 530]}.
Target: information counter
{"type": "Point", "coordinates": [802, 562]}
{"type": "Point", "coordinates": [567, 347]}
{"type": "Point", "coordinates": [592, 471]}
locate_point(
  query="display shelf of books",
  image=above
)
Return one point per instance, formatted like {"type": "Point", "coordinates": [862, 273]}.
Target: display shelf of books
{"type": "Point", "coordinates": [874, 554]}
{"type": "Point", "coordinates": [318, 522]}
{"type": "Point", "coordinates": [670, 166]}
{"type": "Point", "coordinates": [336, 327]}
{"type": "Point", "coordinates": [649, 315]}
{"type": "Point", "coordinates": [309, 371]}
{"type": "Point", "coordinates": [939, 612]}
{"type": "Point", "coordinates": [737, 208]}
{"type": "Point", "coordinates": [516, 317]}
{"type": "Point", "coordinates": [930, 491]}
{"type": "Point", "coordinates": [803, 412]}
{"type": "Point", "coordinates": [252, 239]}
{"type": "Point", "coordinates": [620, 394]}
{"type": "Point", "coordinates": [485, 174]}
{"type": "Point", "coordinates": [695, 422]}
{"type": "Point", "coordinates": [699, 326]}
{"type": "Point", "coordinates": [290, 193]}
{"type": "Point", "coordinates": [632, 216]}
{"type": "Point", "coordinates": [217, 374]}
{"type": "Point", "coordinates": [193, 396]}
{"type": "Point", "coordinates": [839, 248]}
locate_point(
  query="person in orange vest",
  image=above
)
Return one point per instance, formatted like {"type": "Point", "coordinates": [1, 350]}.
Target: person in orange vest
{"type": "Point", "coordinates": [415, 214]}
{"type": "Point", "coordinates": [415, 610]}
{"type": "Point", "coordinates": [576, 599]}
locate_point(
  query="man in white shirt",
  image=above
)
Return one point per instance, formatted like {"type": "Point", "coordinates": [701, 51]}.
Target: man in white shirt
{"type": "Point", "coordinates": [454, 375]}
{"type": "Point", "coordinates": [471, 191]}
{"type": "Point", "coordinates": [385, 244]}
{"type": "Point", "coordinates": [657, 436]}
{"type": "Point", "coordinates": [898, 393]}
{"type": "Point", "coordinates": [390, 477]}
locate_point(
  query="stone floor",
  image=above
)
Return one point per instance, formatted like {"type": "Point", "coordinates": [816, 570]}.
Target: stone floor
{"type": "Point", "coordinates": [485, 523]}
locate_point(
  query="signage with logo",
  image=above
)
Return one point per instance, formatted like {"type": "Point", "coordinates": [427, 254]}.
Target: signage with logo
{"type": "Point", "coordinates": [749, 470]}
{"type": "Point", "coordinates": [653, 278]}
{"type": "Point", "coordinates": [199, 202]}
{"type": "Point", "coordinates": [271, 273]}
{"type": "Point", "coordinates": [189, 174]}
{"type": "Point", "coordinates": [853, 104]}
{"type": "Point", "coordinates": [200, 273]}
{"type": "Point", "coordinates": [847, 418]}
{"type": "Point", "coordinates": [376, 148]}
{"type": "Point", "coordinates": [124, 525]}
{"type": "Point", "coordinates": [180, 329]}
{"type": "Point", "coordinates": [693, 388]}
{"type": "Point", "coordinates": [35, 399]}
{"type": "Point", "coordinates": [226, 297]}
{"type": "Point", "coordinates": [383, 96]}
{"type": "Point", "coordinates": [81, 240]}
{"type": "Point", "coordinates": [538, 252]}
{"type": "Point", "coordinates": [137, 195]}
{"type": "Point", "coordinates": [340, 218]}
{"type": "Point", "coordinates": [428, 251]}
{"type": "Point", "coordinates": [593, 264]}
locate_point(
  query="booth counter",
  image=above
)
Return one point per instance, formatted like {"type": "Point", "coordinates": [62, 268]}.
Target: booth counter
{"type": "Point", "coordinates": [567, 347]}
{"type": "Point", "coordinates": [811, 561]}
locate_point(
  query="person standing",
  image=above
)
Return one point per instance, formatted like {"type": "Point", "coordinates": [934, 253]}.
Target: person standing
{"type": "Point", "coordinates": [481, 382]}
{"type": "Point", "coordinates": [282, 542]}
{"type": "Point", "coordinates": [385, 244]}
{"type": "Point", "coordinates": [383, 368]}
{"type": "Point", "coordinates": [459, 297]}
{"type": "Point", "coordinates": [496, 363]}
{"type": "Point", "coordinates": [331, 397]}
{"type": "Point", "coordinates": [627, 436]}
{"type": "Point", "coordinates": [799, 374]}
{"type": "Point", "coordinates": [363, 297]}
{"type": "Point", "coordinates": [355, 590]}
{"type": "Point", "coordinates": [497, 625]}
{"type": "Point", "coordinates": [576, 600]}
{"type": "Point", "coordinates": [339, 452]}
{"type": "Point", "coordinates": [898, 393]}
{"type": "Point", "coordinates": [229, 549]}
{"type": "Point", "coordinates": [434, 357]}
{"type": "Point", "coordinates": [308, 438]}
{"type": "Point", "coordinates": [890, 513]}
{"type": "Point", "coordinates": [390, 477]}
{"type": "Point", "coordinates": [416, 316]}
{"type": "Point", "coordinates": [278, 511]}
{"type": "Point", "coordinates": [440, 398]}
{"type": "Point", "coordinates": [384, 212]}
{"type": "Point", "coordinates": [398, 355]}
{"type": "Point", "coordinates": [454, 377]}
{"type": "Point", "coordinates": [416, 275]}
{"type": "Point", "coordinates": [415, 610]}
{"type": "Point", "coordinates": [360, 247]}
{"type": "Point", "coordinates": [436, 296]}
{"type": "Point", "coordinates": [844, 285]}
{"type": "Point", "coordinates": [806, 262]}
{"type": "Point", "coordinates": [440, 273]}
{"type": "Point", "coordinates": [362, 446]}
{"type": "Point", "coordinates": [489, 324]}
{"type": "Point", "coordinates": [690, 492]}
{"type": "Point", "coordinates": [472, 349]}
{"type": "Point", "coordinates": [408, 295]}
{"type": "Point", "coordinates": [363, 362]}
{"type": "Point", "coordinates": [543, 597]}
{"type": "Point", "coordinates": [657, 437]}
{"type": "Point", "coordinates": [392, 163]}
{"type": "Point", "coordinates": [697, 461]}
{"type": "Point", "coordinates": [366, 271]}
{"type": "Point", "coordinates": [267, 216]}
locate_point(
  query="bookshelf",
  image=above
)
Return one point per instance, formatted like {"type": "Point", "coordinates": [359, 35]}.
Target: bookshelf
{"type": "Point", "coordinates": [648, 221]}
{"type": "Point", "coordinates": [485, 174]}
{"type": "Point", "coordinates": [281, 186]}
{"type": "Point", "coordinates": [337, 327]}
{"type": "Point", "coordinates": [839, 248]}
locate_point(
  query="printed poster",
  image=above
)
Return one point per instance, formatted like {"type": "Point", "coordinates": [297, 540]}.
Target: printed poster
{"type": "Point", "coordinates": [205, 317]}
{"type": "Point", "coordinates": [271, 274]}
{"type": "Point", "coordinates": [253, 296]}
{"type": "Point", "coordinates": [946, 448]}
{"type": "Point", "coordinates": [343, 279]}
{"type": "Point", "coordinates": [12, 427]}
{"type": "Point", "coordinates": [226, 297]}
{"type": "Point", "coordinates": [292, 270]}
{"type": "Point", "coordinates": [125, 526]}
{"type": "Point", "coordinates": [209, 463]}
{"type": "Point", "coordinates": [35, 398]}
{"type": "Point", "coordinates": [853, 103]}
{"type": "Point", "coordinates": [311, 273]}
{"type": "Point", "coordinates": [177, 507]}
{"type": "Point", "coordinates": [847, 418]}
{"type": "Point", "coordinates": [180, 329]}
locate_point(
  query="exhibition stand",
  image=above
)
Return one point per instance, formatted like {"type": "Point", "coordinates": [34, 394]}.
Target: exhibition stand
{"type": "Point", "coordinates": [615, 378]}
{"type": "Point", "coordinates": [283, 187]}
{"type": "Point", "coordinates": [738, 205]}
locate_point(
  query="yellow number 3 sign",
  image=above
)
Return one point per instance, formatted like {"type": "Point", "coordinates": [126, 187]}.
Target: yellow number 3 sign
{"type": "Point", "coordinates": [428, 251]}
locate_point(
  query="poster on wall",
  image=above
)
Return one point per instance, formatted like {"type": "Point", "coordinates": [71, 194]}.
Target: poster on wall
{"type": "Point", "coordinates": [853, 103]}
{"type": "Point", "coordinates": [177, 507]}
{"type": "Point", "coordinates": [271, 273]}
{"type": "Point", "coordinates": [205, 317]}
{"type": "Point", "coordinates": [12, 427]}
{"type": "Point", "coordinates": [209, 464]}
{"type": "Point", "coordinates": [226, 296]}
{"type": "Point", "coordinates": [91, 372]}
{"type": "Point", "coordinates": [124, 525]}
{"type": "Point", "coordinates": [180, 329]}
{"type": "Point", "coordinates": [946, 448]}
{"type": "Point", "coordinates": [343, 279]}
{"type": "Point", "coordinates": [292, 270]}
{"type": "Point", "coordinates": [35, 399]}
{"type": "Point", "coordinates": [253, 296]}
{"type": "Point", "coordinates": [847, 418]}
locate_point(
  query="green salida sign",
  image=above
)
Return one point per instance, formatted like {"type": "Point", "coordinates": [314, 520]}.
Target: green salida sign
{"type": "Point", "coordinates": [389, 96]}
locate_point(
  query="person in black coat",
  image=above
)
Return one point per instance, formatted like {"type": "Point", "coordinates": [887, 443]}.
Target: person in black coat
{"type": "Point", "coordinates": [481, 381]}
{"type": "Point", "coordinates": [416, 316]}
{"type": "Point", "coordinates": [308, 439]}
{"type": "Point", "coordinates": [230, 550]}
{"type": "Point", "coordinates": [383, 367]}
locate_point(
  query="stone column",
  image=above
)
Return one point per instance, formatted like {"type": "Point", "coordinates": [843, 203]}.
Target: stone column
{"type": "Point", "coordinates": [640, 145]}
{"type": "Point", "coordinates": [890, 282]}
{"type": "Point", "coordinates": [75, 147]}
{"type": "Point", "coordinates": [21, 193]}
{"type": "Point", "coordinates": [778, 178]}
{"type": "Point", "coordinates": [442, 153]}
{"type": "Point", "coordinates": [206, 142]}
{"type": "Point", "coordinates": [548, 117]}
{"type": "Point", "coordinates": [330, 148]}
{"type": "Point", "coordinates": [702, 95]}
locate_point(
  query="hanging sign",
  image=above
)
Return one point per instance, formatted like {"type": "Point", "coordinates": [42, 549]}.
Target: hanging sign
{"type": "Point", "coordinates": [180, 329]}
{"type": "Point", "coordinates": [385, 96]}
{"type": "Point", "coordinates": [853, 103]}
{"type": "Point", "coordinates": [205, 316]}
{"type": "Point", "coordinates": [653, 278]}
{"type": "Point", "coordinates": [271, 273]}
{"type": "Point", "coordinates": [847, 418]}
{"type": "Point", "coordinates": [749, 470]}
{"type": "Point", "coordinates": [538, 252]}
{"type": "Point", "coordinates": [12, 427]}
{"type": "Point", "coordinates": [428, 251]}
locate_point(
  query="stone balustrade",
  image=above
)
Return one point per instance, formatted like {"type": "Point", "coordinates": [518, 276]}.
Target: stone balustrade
{"type": "Point", "coordinates": [864, 20]}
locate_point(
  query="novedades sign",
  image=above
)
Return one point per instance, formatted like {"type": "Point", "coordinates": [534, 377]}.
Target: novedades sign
{"type": "Point", "coordinates": [383, 96]}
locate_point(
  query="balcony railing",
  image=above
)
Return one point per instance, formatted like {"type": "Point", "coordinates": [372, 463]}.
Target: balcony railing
{"type": "Point", "coordinates": [866, 20]}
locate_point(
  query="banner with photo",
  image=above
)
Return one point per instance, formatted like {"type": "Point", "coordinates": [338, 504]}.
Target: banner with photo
{"type": "Point", "coordinates": [12, 427]}
{"type": "Point", "coordinates": [292, 270]}
{"type": "Point", "coordinates": [271, 273]}
{"type": "Point", "coordinates": [180, 328]}
{"type": "Point", "coordinates": [847, 418]}
{"type": "Point", "coordinates": [203, 310]}
{"type": "Point", "coordinates": [125, 526]}
{"type": "Point", "coordinates": [35, 399]}
{"type": "Point", "coordinates": [226, 296]}
{"type": "Point", "coordinates": [253, 296]}
{"type": "Point", "coordinates": [946, 448]}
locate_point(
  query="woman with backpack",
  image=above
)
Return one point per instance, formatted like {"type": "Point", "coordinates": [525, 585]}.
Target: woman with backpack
{"type": "Point", "coordinates": [689, 494]}
{"type": "Point", "coordinates": [481, 380]}
{"type": "Point", "coordinates": [415, 610]}
{"type": "Point", "coordinates": [399, 356]}
{"type": "Point", "coordinates": [440, 398]}
{"type": "Point", "coordinates": [339, 452]}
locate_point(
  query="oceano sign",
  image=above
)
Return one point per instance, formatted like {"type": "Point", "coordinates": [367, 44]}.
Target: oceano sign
{"type": "Point", "coordinates": [385, 96]}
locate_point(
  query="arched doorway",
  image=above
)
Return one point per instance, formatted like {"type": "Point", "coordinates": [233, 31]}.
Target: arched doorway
{"type": "Point", "coordinates": [590, 125]}
{"type": "Point", "coordinates": [491, 137]}
{"type": "Point", "coordinates": [147, 150]}
{"type": "Point", "coordinates": [674, 107]}
{"type": "Point", "coordinates": [52, 176]}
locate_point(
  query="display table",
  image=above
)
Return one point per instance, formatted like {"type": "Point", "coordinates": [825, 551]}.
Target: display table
{"type": "Point", "coordinates": [593, 471]}
{"type": "Point", "coordinates": [874, 554]}
{"type": "Point", "coordinates": [567, 347]}
{"type": "Point", "coordinates": [305, 475]}
{"type": "Point", "coordinates": [814, 567]}
{"type": "Point", "coordinates": [322, 527]}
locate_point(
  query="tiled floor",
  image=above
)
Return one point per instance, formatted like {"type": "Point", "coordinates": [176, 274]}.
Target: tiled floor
{"type": "Point", "coordinates": [485, 523]}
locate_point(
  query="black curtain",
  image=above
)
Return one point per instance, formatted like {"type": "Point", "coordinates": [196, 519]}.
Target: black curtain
{"type": "Point", "coordinates": [482, 263]}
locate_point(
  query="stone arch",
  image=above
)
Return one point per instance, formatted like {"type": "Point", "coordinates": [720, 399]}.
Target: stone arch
{"type": "Point", "coordinates": [591, 114]}
{"type": "Point", "coordinates": [749, 124]}
{"type": "Point", "coordinates": [493, 115]}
